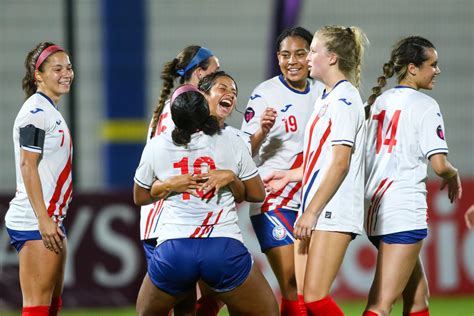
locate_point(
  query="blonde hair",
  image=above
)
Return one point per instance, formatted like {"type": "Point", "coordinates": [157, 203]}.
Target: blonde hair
{"type": "Point", "coordinates": [348, 44]}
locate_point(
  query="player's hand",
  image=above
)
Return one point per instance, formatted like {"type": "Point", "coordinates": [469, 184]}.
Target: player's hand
{"type": "Point", "coordinates": [276, 180]}
{"type": "Point", "coordinates": [188, 183]}
{"type": "Point", "coordinates": [267, 120]}
{"type": "Point", "coordinates": [469, 217]}
{"type": "Point", "coordinates": [304, 225]}
{"type": "Point", "coordinates": [454, 187]}
{"type": "Point", "coordinates": [51, 234]}
{"type": "Point", "coordinates": [214, 181]}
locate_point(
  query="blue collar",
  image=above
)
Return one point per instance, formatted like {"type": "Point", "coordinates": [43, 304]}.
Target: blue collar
{"type": "Point", "coordinates": [47, 98]}
{"type": "Point", "coordinates": [326, 94]}
{"type": "Point", "coordinates": [306, 90]}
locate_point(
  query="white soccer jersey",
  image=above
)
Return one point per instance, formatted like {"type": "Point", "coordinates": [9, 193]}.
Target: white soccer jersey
{"type": "Point", "coordinates": [149, 214]}
{"type": "Point", "coordinates": [183, 215]}
{"type": "Point", "coordinates": [338, 119]}
{"type": "Point", "coordinates": [404, 130]}
{"type": "Point", "coordinates": [55, 165]}
{"type": "Point", "coordinates": [283, 146]}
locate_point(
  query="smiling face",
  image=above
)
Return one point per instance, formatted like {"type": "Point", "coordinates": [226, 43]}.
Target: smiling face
{"type": "Point", "coordinates": [292, 61]}
{"type": "Point", "coordinates": [425, 74]}
{"type": "Point", "coordinates": [222, 98]}
{"type": "Point", "coordinates": [56, 77]}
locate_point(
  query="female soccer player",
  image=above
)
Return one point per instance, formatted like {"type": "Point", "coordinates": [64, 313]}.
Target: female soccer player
{"type": "Point", "coordinates": [43, 158]}
{"type": "Point", "coordinates": [191, 65]}
{"type": "Point", "coordinates": [199, 236]}
{"type": "Point", "coordinates": [405, 131]}
{"type": "Point", "coordinates": [276, 116]}
{"type": "Point", "coordinates": [332, 171]}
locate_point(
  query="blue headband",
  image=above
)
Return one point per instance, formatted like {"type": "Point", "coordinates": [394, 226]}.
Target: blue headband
{"type": "Point", "coordinates": [202, 54]}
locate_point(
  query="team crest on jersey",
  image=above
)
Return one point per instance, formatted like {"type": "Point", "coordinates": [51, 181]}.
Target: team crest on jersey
{"type": "Point", "coordinates": [249, 114]}
{"type": "Point", "coordinates": [279, 232]}
{"type": "Point", "coordinates": [439, 132]}
{"type": "Point", "coordinates": [323, 110]}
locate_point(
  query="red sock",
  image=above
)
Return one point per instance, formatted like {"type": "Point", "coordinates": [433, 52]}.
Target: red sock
{"type": "Point", "coordinates": [424, 312]}
{"type": "Point", "coordinates": [56, 304]}
{"type": "Point", "coordinates": [207, 306]}
{"type": "Point", "coordinates": [289, 308]}
{"type": "Point", "coordinates": [369, 313]}
{"type": "Point", "coordinates": [35, 311]}
{"type": "Point", "coordinates": [303, 311]}
{"type": "Point", "coordinates": [324, 307]}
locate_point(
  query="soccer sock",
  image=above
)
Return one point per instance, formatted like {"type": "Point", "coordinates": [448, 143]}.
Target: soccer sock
{"type": "Point", "coordinates": [207, 306]}
{"type": "Point", "coordinates": [56, 304]}
{"type": "Point", "coordinates": [324, 307]}
{"type": "Point", "coordinates": [369, 313]}
{"type": "Point", "coordinates": [289, 308]}
{"type": "Point", "coordinates": [35, 311]}
{"type": "Point", "coordinates": [303, 311]}
{"type": "Point", "coordinates": [424, 312]}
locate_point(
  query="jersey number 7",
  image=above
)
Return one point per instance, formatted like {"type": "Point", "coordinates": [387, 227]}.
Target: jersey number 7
{"type": "Point", "coordinates": [198, 165]}
{"type": "Point", "coordinates": [391, 129]}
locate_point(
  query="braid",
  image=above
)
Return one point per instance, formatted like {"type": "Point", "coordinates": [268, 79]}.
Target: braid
{"type": "Point", "coordinates": [388, 71]}
{"type": "Point", "coordinates": [168, 76]}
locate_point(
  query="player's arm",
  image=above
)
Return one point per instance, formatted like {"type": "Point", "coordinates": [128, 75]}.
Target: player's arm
{"type": "Point", "coordinates": [176, 184]}
{"type": "Point", "coordinates": [50, 232]}
{"type": "Point", "coordinates": [278, 179]}
{"type": "Point", "coordinates": [267, 120]}
{"type": "Point", "coordinates": [444, 169]}
{"type": "Point", "coordinates": [332, 179]}
{"type": "Point", "coordinates": [254, 189]}
{"type": "Point", "coordinates": [217, 179]}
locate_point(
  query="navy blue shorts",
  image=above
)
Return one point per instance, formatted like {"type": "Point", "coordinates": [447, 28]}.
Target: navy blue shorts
{"type": "Point", "coordinates": [19, 237]}
{"type": "Point", "coordinates": [149, 246]}
{"type": "Point", "coordinates": [407, 237]}
{"type": "Point", "coordinates": [274, 228]}
{"type": "Point", "coordinates": [177, 264]}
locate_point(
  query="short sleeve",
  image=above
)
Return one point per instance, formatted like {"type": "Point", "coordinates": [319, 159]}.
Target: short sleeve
{"type": "Point", "coordinates": [32, 129]}
{"type": "Point", "coordinates": [145, 175]}
{"type": "Point", "coordinates": [343, 123]}
{"type": "Point", "coordinates": [255, 107]}
{"type": "Point", "coordinates": [431, 131]}
{"type": "Point", "coordinates": [246, 166]}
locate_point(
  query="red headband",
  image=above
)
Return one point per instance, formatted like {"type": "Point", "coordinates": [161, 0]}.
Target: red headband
{"type": "Point", "coordinates": [182, 89]}
{"type": "Point", "coordinates": [46, 53]}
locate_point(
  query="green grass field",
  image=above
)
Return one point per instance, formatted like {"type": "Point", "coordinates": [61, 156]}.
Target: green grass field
{"type": "Point", "coordinates": [459, 306]}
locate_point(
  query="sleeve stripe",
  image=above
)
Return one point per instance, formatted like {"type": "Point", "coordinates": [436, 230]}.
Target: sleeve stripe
{"type": "Point", "coordinates": [436, 151]}
{"type": "Point", "coordinates": [250, 175]}
{"type": "Point", "coordinates": [34, 149]}
{"type": "Point", "coordinates": [342, 141]}
{"type": "Point", "coordinates": [143, 185]}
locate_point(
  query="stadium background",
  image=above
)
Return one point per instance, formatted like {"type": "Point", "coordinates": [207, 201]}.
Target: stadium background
{"type": "Point", "coordinates": [117, 50]}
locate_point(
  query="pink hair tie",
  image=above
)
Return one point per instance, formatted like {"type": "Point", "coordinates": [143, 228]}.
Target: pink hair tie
{"type": "Point", "coordinates": [182, 89]}
{"type": "Point", "coordinates": [46, 53]}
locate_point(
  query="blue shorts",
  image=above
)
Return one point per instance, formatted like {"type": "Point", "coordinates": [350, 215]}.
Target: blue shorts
{"type": "Point", "coordinates": [274, 228]}
{"type": "Point", "coordinates": [177, 264]}
{"type": "Point", "coordinates": [407, 237]}
{"type": "Point", "coordinates": [19, 237]}
{"type": "Point", "coordinates": [149, 246]}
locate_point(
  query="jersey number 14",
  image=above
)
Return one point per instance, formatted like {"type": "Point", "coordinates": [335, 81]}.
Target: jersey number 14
{"type": "Point", "coordinates": [389, 137]}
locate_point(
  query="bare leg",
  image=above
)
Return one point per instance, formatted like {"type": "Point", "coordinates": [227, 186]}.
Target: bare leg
{"type": "Point", "coordinates": [41, 273]}
{"type": "Point", "coordinates": [253, 297]}
{"type": "Point", "coordinates": [395, 264]}
{"type": "Point", "coordinates": [416, 293]}
{"type": "Point", "coordinates": [282, 261]}
{"type": "Point", "coordinates": [326, 252]}
{"type": "Point", "coordinates": [154, 302]}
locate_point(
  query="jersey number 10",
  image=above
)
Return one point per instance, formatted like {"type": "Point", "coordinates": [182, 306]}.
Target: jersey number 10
{"type": "Point", "coordinates": [183, 164]}
{"type": "Point", "coordinates": [391, 129]}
